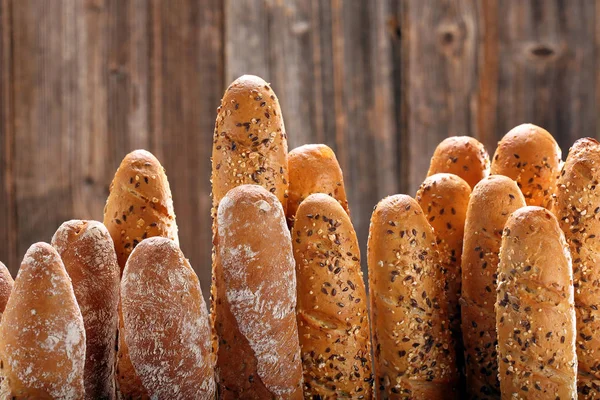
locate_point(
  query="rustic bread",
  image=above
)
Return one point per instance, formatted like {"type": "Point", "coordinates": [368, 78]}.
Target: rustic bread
{"type": "Point", "coordinates": [491, 203]}
{"type": "Point", "coordinates": [535, 311]}
{"type": "Point", "coordinates": [167, 329]}
{"type": "Point", "coordinates": [577, 208]}
{"type": "Point", "coordinates": [332, 315]}
{"type": "Point", "coordinates": [463, 156]}
{"type": "Point", "coordinates": [529, 155]}
{"type": "Point", "coordinates": [413, 346]}
{"type": "Point", "coordinates": [314, 169]}
{"type": "Point", "coordinates": [6, 285]}
{"type": "Point", "coordinates": [88, 254]}
{"type": "Point", "coordinates": [255, 298]}
{"type": "Point", "coordinates": [42, 336]}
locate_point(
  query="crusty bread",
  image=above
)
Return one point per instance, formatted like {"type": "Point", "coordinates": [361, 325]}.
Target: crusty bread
{"type": "Point", "coordinates": [6, 285]}
{"type": "Point", "coordinates": [535, 311]}
{"type": "Point", "coordinates": [166, 321]}
{"type": "Point", "coordinates": [413, 346]}
{"type": "Point", "coordinates": [255, 299]}
{"type": "Point", "coordinates": [529, 155]}
{"type": "Point", "coordinates": [42, 337]}
{"type": "Point", "coordinates": [491, 203]}
{"type": "Point", "coordinates": [88, 254]}
{"type": "Point", "coordinates": [463, 156]}
{"type": "Point", "coordinates": [249, 141]}
{"type": "Point", "coordinates": [332, 315]}
{"type": "Point", "coordinates": [314, 169]}
{"type": "Point", "coordinates": [577, 208]}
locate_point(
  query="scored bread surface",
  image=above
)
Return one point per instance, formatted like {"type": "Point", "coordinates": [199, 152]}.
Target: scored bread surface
{"type": "Point", "coordinates": [6, 285]}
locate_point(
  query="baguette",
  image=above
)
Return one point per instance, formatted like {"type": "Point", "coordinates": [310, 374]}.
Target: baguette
{"type": "Point", "coordinates": [529, 155]}
{"type": "Point", "coordinates": [492, 201]}
{"type": "Point", "coordinates": [577, 208]}
{"type": "Point", "coordinates": [6, 285]}
{"type": "Point", "coordinates": [413, 346]}
{"type": "Point", "coordinates": [535, 312]}
{"type": "Point", "coordinates": [314, 169]}
{"type": "Point", "coordinates": [88, 254]}
{"type": "Point", "coordinates": [42, 337]}
{"type": "Point", "coordinates": [333, 324]}
{"type": "Point", "coordinates": [166, 321]}
{"type": "Point", "coordinates": [463, 156]}
{"type": "Point", "coordinates": [259, 353]}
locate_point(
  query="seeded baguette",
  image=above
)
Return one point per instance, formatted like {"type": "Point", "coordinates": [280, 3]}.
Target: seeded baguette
{"type": "Point", "coordinates": [6, 285]}
{"type": "Point", "coordinates": [88, 254]}
{"type": "Point", "coordinates": [167, 323]}
{"type": "Point", "coordinates": [413, 347]}
{"type": "Point", "coordinates": [463, 156]}
{"type": "Point", "coordinates": [577, 208]}
{"type": "Point", "coordinates": [42, 337]}
{"type": "Point", "coordinates": [535, 312]}
{"type": "Point", "coordinates": [255, 299]}
{"type": "Point", "coordinates": [529, 155]}
{"type": "Point", "coordinates": [333, 324]}
{"type": "Point", "coordinates": [314, 169]}
{"type": "Point", "coordinates": [491, 203]}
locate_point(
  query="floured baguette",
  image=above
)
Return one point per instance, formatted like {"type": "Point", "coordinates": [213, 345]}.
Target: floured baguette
{"type": "Point", "coordinates": [491, 203]}
{"type": "Point", "coordinates": [413, 346]}
{"type": "Point", "coordinates": [42, 337]}
{"type": "Point", "coordinates": [6, 285]}
{"type": "Point", "coordinates": [332, 315]}
{"type": "Point", "coordinates": [577, 208]}
{"type": "Point", "coordinates": [255, 299]}
{"type": "Point", "coordinates": [166, 323]}
{"type": "Point", "coordinates": [535, 312]}
{"type": "Point", "coordinates": [88, 254]}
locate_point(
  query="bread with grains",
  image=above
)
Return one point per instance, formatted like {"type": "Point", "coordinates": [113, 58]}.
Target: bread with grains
{"type": "Point", "coordinates": [414, 356]}
{"type": "Point", "coordinates": [333, 323]}
{"type": "Point", "coordinates": [6, 285]}
{"type": "Point", "coordinates": [535, 311]}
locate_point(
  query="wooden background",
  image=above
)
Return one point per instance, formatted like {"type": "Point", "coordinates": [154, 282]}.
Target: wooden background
{"type": "Point", "coordinates": [83, 82]}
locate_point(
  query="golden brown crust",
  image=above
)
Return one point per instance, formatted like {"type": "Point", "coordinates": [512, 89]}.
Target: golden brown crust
{"type": "Point", "coordinates": [166, 323]}
{"type": "Point", "coordinates": [413, 346]}
{"type": "Point", "coordinates": [491, 203]}
{"type": "Point", "coordinates": [42, 337]}
{"type": "Point", "coordinates": [314, 169]}
{"type": "Point", "coordinates": [529, 155]}
{"type": "Point", "coordinates": [88, 254]}
{"type": "Point", "coordinates": [255, 298]}
{"type": "Point", "coordinates": [333, 323]}
{"type": "Point", "coordinates": [6, 285]}
{"type": "Point", "coordinates": [249, 141]}
{"type": "Point", "coordinates": [577, 208]}
{"type": "Point", "coordinates": [463, 156]}
{"type": "Point", "coordinates": [535, 313]}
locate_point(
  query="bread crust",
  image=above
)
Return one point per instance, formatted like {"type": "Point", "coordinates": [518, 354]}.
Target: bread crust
{"type": "Point", "coordinates": [535, 312]}
{"type": "Point", "coordinates": [463, 156]}
{"type": "Point", "coordinates": [42, 337]}
{"type": "Point", "coordinates": [413, 346]}
{"type": "Point", "coordinates": [6, 285]}
{"type": "Point", "coordinates": [577, 208]}
{"type": "Point", "coordinates": [255, 319]}
{"type": "Point", "coordinates": [88, 254]}
{"type": "Point", "coordinates": [166, 323]}
{"type": "Point", "coordinates": [529, 155]}
{"type": "Point", "coordinates": [314, 169]}
{"type": "Point", "coordinates": [333, 324]}
{"type": "Point", "coordinates": [491, 203]}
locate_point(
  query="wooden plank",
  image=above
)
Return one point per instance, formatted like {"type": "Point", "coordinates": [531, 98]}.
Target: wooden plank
{"type": "Point", "coordinates": [186, 88]}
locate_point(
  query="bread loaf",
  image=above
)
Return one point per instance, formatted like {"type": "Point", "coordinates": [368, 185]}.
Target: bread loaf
{"type": "Point", "coordinates": [413, 346]}
{"type": "Point", "coordinates": [42, 337]}
{"type": "Point", "coordinates": [577, 208]}
{"type": "Point", "coordinates": [88, 254]}
{"type": "Point", "coordinates": [333, 322]}
{"type": "Point", "coordinates": [535, 312]}
{"type": "Point", "coordinates": [255, 299]}
{"type": "Point", "coordinates": [6, 285]}
{"type": "Point", "coordinates": [529, 155]}
{"type": "Point", "coordinates": [491, 203]}
{"type": "Point", "coordinates": [166, 321]}
{"type": "Point", "coordinates": [314, 169]}
{"type": "Point", "coordinates": [463, 156]}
